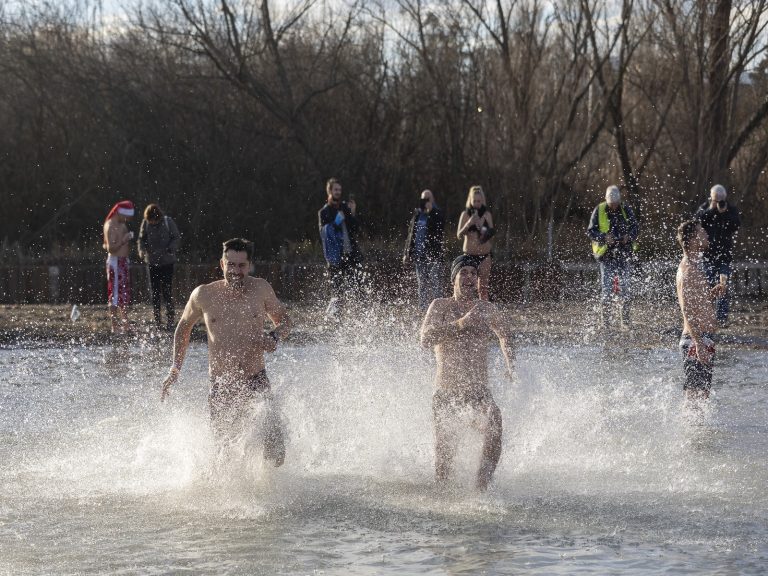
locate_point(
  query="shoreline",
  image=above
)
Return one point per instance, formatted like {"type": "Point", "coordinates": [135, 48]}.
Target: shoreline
{"type": "Point", "coordinates": [655, 324]}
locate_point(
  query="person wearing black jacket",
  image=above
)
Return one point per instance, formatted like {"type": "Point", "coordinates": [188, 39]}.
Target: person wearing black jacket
{"type": "Point", "coordinates": [339, 226]}
{"type": "Point", "coordinates": [424, 248]}
{"type": "Point", "coordinates": [721, 221]}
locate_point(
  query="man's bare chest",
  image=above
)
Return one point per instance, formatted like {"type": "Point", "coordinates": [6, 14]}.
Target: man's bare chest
{"type": "Point", "coordinates": [235, 317]}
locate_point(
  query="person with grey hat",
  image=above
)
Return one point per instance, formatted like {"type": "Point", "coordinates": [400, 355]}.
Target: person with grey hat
{"type": "Point", "coordinates": [613, 230]}
{"type": "Point", "coordinates": [458, 328]}
{"type": "Point", "coordinates": [720, 220]}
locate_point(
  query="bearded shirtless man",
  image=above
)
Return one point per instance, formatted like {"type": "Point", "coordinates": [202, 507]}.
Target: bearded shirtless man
{"type": "Point", "coordinates": [234, 310]}
{"type": "Point", "coordinates": [696, 303]}
{"type": "Point", "coordinates": [459, 328]}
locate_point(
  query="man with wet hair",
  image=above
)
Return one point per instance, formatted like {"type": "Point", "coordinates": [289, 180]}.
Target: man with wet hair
{"type": "Point", "coordinates": [234, 310]}
{"type": "Point", "coordinates": [695, 298]}
{"type": "Point", "coordinates": [458, 328]}
{"type": "Point", "coordinates": [721, 221]}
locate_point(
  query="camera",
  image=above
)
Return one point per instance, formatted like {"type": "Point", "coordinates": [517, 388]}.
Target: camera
{"type": "Point", "coordinates": [423, 203]}
{"type": "Point", "coordinates": [722, 204]}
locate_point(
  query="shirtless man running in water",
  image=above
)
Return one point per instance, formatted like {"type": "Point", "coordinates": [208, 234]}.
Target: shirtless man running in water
{"type": "Point", "coordinates": [696, 300]}
{"type": "Point", "coordinates": [234, 310]}
{"type": "Point", "coordinates": [459, 328]}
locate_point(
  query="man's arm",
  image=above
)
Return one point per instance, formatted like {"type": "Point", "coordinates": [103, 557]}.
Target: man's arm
{"type": "Point", "coordinates": [325, 216]}
{"type": "Point", "coordinates": [439, 230]}
{"type": "Point", "coordinates": [279, 317]}
{"type": "Point", "coordinates": [593, 230]}
{"type": "Point", "coordinates": [350, 218]}
{"type": "Point", "coordinates": [192, 313]}
{"type": "Point", "coordinates": [142, 243]}
{"type": "Point", "coordinates": [500, 329]}
{"type": "Point", "coordinates": [173, 231]}
{"type": "Point", "coordinates": [633, 225]}
{"type": "Point", "coordinates": [433, 330]}
{"type": "Point", "coordinates": [410, 238]}
{"type": "Point", "coordinates": [735, 219]}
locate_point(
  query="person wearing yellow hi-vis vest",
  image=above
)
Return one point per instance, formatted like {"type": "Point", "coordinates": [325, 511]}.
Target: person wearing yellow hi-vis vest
{"type": "Point", "coordinates": [613, 231]}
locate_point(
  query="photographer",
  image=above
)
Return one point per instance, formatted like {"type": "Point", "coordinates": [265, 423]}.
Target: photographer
{"type": "Point", "coordinates": [424, 248]}
{"type": "Point", "coordinates": [721, 221]}
{"type": "Point", "coordinates": [338, 234]}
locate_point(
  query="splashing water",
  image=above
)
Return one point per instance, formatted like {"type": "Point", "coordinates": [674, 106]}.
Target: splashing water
{"type": "Point", "coordinates": [602, 467]}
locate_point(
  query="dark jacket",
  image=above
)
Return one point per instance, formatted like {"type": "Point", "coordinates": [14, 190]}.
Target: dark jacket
{"type": "Point", "coordinates": [720, 228]}
{"type": "Point", "coordinates": [618, 226]}
{"type": "Point", "coordinates": [158, 242]}
{"type": "Point", "coordinates": [331, 234]}
{"type": "Point", "coordinates": [434, 249]}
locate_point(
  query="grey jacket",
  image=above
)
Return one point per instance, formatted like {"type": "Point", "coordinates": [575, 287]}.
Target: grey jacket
{"type": "Point", "coordinates": [158, 242]}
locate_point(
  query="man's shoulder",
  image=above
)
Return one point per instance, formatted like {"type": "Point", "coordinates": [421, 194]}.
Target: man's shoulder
{"type": "Point", "coordinates": [443, 301]}
{"type": "Point", "coordinates": [682, 267]}
{"type": "Point", "coordinates": [258, 282]}
{"type": "Point", "coordinates": [438, 305]}
{"type": "Point", "coordinates": [204, 291]}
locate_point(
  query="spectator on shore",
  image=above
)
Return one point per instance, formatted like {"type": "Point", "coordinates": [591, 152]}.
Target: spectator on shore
{"type": "Point", "coordinates": [476, 229]}
{"type": "Point", "coordinates": [117, 243]}
{"type": "Point", "coordinates": [158, 241]}
{"type": "Point", "coordinates": [338, 232]}
{"type": "Point", "coordinates": [424, 248]}
{"type": "Point", "coordinates": [613, 230]}
{"type": "Point", "coordinates": [720, 221]}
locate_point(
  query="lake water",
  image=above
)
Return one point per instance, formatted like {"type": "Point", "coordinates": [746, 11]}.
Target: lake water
{"type": "Point", "coordinates": [602, 470]}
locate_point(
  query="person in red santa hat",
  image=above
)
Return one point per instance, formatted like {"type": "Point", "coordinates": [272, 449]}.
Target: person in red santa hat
{"type": "Point", "coordinates": [117, 242]}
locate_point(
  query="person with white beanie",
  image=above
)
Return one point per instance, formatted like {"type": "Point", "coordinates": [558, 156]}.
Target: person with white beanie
{"type": "Point", "coordinates": [720, 219]}
{"type": "Point", "coordinates": [613, 230]}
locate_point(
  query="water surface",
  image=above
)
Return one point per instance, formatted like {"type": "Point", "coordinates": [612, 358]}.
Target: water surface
{"type": "Point", "coordinates": [602, 471]}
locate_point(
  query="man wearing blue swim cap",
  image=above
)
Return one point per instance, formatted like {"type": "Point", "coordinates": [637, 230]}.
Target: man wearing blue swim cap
{"type": "Point", "coordinates": [458, 329]}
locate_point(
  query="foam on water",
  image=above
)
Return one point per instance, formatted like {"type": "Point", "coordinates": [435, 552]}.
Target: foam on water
{"type": "Point", "coordinates": [597, 447]}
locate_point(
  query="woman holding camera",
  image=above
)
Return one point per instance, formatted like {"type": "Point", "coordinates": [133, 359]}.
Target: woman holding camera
{"type": "Point", "coordinates": [476, 229]}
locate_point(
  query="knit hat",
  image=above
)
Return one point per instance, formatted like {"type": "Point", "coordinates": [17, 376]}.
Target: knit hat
{"type": "Point", "coordinates": [460, 262]}
{"type": "Point", "coordinates": [718, 190]}
{"type": "Point", "coordinates": [613, 194]}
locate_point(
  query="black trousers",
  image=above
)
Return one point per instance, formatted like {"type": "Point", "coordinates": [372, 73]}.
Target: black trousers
{"type": "Point", "coordinates": [346, 276]}
{"type": "Point", "coordinates": [161, 280]}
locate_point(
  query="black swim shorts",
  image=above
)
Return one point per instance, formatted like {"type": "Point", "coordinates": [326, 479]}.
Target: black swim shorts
{"type": "Point", "coordinates": [698, 376]}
